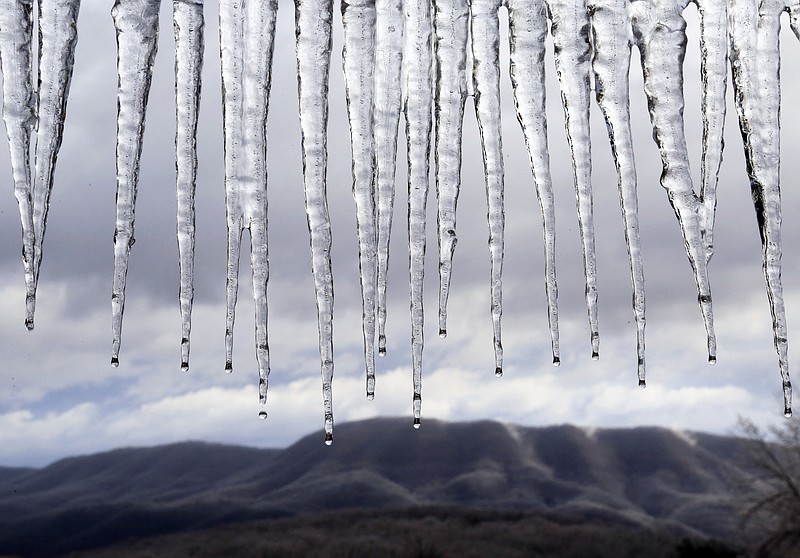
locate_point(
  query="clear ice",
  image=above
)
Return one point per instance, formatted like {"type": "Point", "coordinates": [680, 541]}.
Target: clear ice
{"type": "Point", "coordinates": [58, 36]}
{"type": "Point", "coordinates": [188, 22]}
{"type": "Point", "coordinates": [418, 102]}
{"type": "Point", "coordinates": [389, 40]}
{"type": "Point", "coordinates": [19, 115]}
{"type": "Point", "coordinates": [247, 33]}
{"type": "Point", "coordinates": [755, 65]}
{"type": "Point", "coordinates": [528, 30]}
{"type": "Point", "coordinates": [314, 42]}
{"type": "Point", "coordinates": [358, 17]}
{"type": "Point", "coordinates": [136, 23]}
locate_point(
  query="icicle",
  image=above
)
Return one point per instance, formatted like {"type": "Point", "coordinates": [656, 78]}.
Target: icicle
{"type": "Point", "coordinates": [660, 32]}
{"type": "Point", "coordinates": [611, 62]}
{"type": "Point", "coordinates": [451, 22]}
{"type": "Point", "coordinates": [188, 22]}
{"type": "Point", "coordinates": [714, 75]}
{"type": "Point", "coordinates": [16, 31]}
{"type": "Point", "coordinates": [247, 33]}
{"type": "Point", "coordinates": [528, 30]}
{"type": "Point", "coordinates": [358, 17]}
{"type": "Point", "coordinates": [136, 22]}
{"type": "Point", "coordinates": [418, 101]}
{"type": "Point", "coordinates": [389, 33]}
{"type": "Point", "coordinates": [313, 31]}
{"type": "Point", "coordinates": [755, 64]}
{"type": "Point", "coordinates": [58, 35]}
{"type": "Point", "coordinates": [485, 30]}
{"type": "Point", "coordinates": [572, 49]}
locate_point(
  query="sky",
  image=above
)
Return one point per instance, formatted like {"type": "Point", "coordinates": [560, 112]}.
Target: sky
{"type": "Point", "coordinates": [59, 396]}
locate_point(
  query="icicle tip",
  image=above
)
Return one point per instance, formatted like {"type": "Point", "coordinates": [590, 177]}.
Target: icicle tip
{"type": "Point", "coordinates": [328, 438]}
{"type": "Point", "coordinates": [642, 384]}
{"type": "Point", "coordinates": [115, 362]}
{"type": "Point", "coordinates": [442, 333]}
{"type": "Point", "coordinates": [595, 355]}
{"type": "Point", "coordinates": [228, 367]}
{"type": "Point", "coordinates": [184, 366]}
{"type": "Point", "coordinates": [498, 372]}
{"type": "Point", "coordinates": [556, 360]}
{"type": "Point", "coordinates": [417, 423]}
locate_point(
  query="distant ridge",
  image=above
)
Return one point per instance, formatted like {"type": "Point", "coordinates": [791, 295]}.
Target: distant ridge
{"type": "Point", "coordinates": [638, 476]}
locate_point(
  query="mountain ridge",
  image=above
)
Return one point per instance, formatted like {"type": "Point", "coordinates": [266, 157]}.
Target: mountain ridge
{"type": "Point", "coordinates": [644, 476]}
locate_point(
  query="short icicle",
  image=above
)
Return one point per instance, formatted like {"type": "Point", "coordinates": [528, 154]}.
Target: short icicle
{"type": "Point", "coordinates": [58, 36]}
{"type": "Point", "coordinates": [314, 42]}
{"type": "Point", "coordinates": [755, 63]}
{"type": "Point", "coordinates": [16, 35]}
{"type": "Point", "coordinates": [188, 22]}
{"type": "Point", "coordinates": [714, 80]}
{"type": "Point", "coordinates": [451, 24]}
{"type": "Point", "coordinates": [389, 33]}
{"type": "Point", "coordinates": [136, 23]}
{"type": "Point", "coordinates": [358, 56]}
{"type": "Point", "coordinates": [611, 63]}
{"type": "Point", "coordinates": [528, 30]}
{"type": "Point", "coordinates": [247, 37]}
{"type": "Point", "coordinates": [418, 101]}
{"type": "Point", "coordinates": [660, 31]}
{"type": "Point", "coordinates": [485, 27]}
{"type": "Point", "coordinates": [572, 50]}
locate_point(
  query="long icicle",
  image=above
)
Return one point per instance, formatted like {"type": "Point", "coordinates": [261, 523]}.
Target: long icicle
{"type": "Point", "coordinates": [611, 63]}
{"type": "Point", "coordinates": [136, 22]}
{"type": "Point", "coordinates": [313, 33]}
{"type": "Point", "coordinates": [16, 33]}
{"type": "Point", "coordinates": [485, 27]}
{"type": "Point", "coordinates": [358, 17]}
{"type": "Point", "coordinates": [528, 29]}
{"type": "Point", "coordinates": [755, 64]}
{"type": "Point", "coordinates": [188, 22]}
{"type": "Point", "coordinates": [714, 79]}
{"type": "Point", "coordinates": [58, 36]}
{"type": "Point", "coordinates": [247, 38]}
{"type": "Point", "coordinates": [572, 51]}
{"type": "Point", "coordinates": [389, 33]}
{"type": "Point", "coordinates": [660, 31]}
{"type": "Point", "coordinates": [451, 24]}
{"type": "Point", "coordinates": [418, 101]}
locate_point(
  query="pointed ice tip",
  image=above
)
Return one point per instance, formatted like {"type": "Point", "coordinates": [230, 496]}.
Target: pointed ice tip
{"type": "Point", "coordinates": [416, 422]}
{"type": "Point", "coordinates": [442, 333]}
{"type": "Point", "coordinates": [642, 384]}
{"type": "Point", "coordinates": [115, 362]}
{"type": "Point", "coordinates": [595, 355]}
{"type": "Point", "coordinates": [228, 367]}
{"type": "Point", "coordinates": [184, 366]}
{"type": "Point", "coordinates": [328, 438]}
{"type": "Point", "coordinates": [498, 372]}
{"type": "Point", "coordinates": [262, 415]}
{"type": "Point", "coordinates": [556, 361]}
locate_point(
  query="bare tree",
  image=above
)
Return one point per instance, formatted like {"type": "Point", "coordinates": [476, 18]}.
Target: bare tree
{"type": "Point", "coordinates": [774, 492]}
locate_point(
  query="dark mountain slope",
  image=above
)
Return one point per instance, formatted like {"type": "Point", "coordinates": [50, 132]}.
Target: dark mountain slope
{"type": "Point", "coordinates": [642, 476]}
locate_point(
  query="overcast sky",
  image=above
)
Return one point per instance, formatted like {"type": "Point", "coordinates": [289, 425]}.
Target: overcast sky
{"type": "Point", "coordinates": [59, 396]}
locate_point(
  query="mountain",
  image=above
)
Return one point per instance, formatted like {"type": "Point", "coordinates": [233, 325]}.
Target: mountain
{"type": "Point", "coordinates": [642, 477]}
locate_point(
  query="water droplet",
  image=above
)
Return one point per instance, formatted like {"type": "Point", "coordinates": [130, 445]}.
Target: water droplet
{"type": "Point", "coordinates": [442, 333]}
{"type": "Point", "coordinates": [556, 361]}
{"type": "Point", "coordinates": [595, 355]}
{"type": "Point", "coordinates": [712, 359]}
{"type": "Point", "coordinates": [382, 351]}
{"type": "Point", "coordinates": [29, 324]}
{"type": "Point", "coordinates": [115, 362]}
{"type": "Point", "coordinates": [184, 366]}
{"type": "Point", "coordinates": [262, 415]}
{"type": "Point", "coordinates": [787, 412]}
{"type": "Point", "coordinates": [498, 372]}
{"type": "Point", "coordinates": [228, 367]}
{"type": "Point", "coordinates": [642, 384]}
{"type": "Point", "coordinates": [416, 422]}
{"type": "Point", "coordinates": [328, 438]}
{"type": "Point", "coordinates": [371, 395]}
